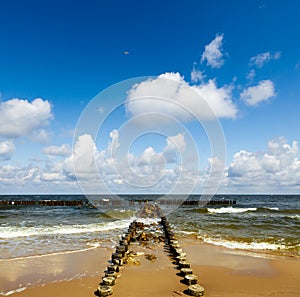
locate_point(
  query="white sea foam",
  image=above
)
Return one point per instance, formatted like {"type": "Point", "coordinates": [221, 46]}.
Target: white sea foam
{"type": "Point", "coordinates": [13, 291]}
{"type": "Point", "coordinates": [297, 217]}
{"type": "Point", "coordinates": [147, 221]}
{"type": "Point", "coordinates": [14, 231]}
{"type": "Point", "coordinates": [187, 232]}
{"type": "Point", "coordinates": [231, 209]}
{"type": "Point", "coordinates": [243, 245]}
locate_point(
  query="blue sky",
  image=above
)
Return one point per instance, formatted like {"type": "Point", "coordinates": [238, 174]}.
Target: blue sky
{"type": "Point", "coordinates": [243, 57]}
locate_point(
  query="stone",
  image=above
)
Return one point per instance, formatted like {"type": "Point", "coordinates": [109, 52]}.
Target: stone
{"type": "Point", "coordinates": [150, 257]}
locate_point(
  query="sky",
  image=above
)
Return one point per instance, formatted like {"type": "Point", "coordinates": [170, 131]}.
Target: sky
{"type": "Point", "coordinates": [149, 97]}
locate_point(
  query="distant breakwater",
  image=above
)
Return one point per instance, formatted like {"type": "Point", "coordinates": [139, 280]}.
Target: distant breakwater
{"type": "Point", "coordinates": [111, 202]}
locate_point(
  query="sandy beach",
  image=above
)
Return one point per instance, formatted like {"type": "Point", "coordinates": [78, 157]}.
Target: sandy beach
{"type": "Point", "coordinates": [222, 272]}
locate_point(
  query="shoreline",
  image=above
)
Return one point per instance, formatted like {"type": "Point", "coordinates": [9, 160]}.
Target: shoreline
{"type": "Point", "coordinates": [222, 272]}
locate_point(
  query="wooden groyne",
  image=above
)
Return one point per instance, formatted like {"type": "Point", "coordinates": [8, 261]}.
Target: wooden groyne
{"type": "Point", "coordinates": [112, 202]}
{"type": "Point", "coordinates": [78, 203]}
{"type": "Point", "coordinates": [139, 233]}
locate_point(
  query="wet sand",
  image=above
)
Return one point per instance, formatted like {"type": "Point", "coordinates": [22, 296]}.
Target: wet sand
{"type": "Point", "coordinates": [220, 271]}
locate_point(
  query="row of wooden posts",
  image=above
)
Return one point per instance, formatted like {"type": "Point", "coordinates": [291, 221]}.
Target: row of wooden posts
{"type": "Point", "coordinates": [178, 256]}
{"type": "Point", "coordinates": [81, 203]}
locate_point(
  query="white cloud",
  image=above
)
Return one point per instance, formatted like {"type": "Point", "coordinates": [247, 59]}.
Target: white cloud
{"type": "Point", "coordinates": [148, 170]}
{"type": "Point", "coordinates": [277, 169]}
{"type": "Point", "coordinates": [52, 177]}
{"type": "Point", "coordinates": [175, 146]}
{"type": "Point", "coordinates": [54, 150]}
{"type": "Point", "coordinates": [81, 163]}
{"type": "Point", "coordinates": [213, 53]}
{"type": "Point", "coordinates": [170, 95]}
{"type": "Point", "coordinates": [219, 99]}
{"type": "Point", "coordinates": [39, 135]}
{"type": "Point", "coordinates": [251, 74]}
{"type": "Point", "coordinates": [261, 59]}
{"type": "Point", "coordinates": [22, 118]}
{"type": "Point", "coordinates": [256, 94]}
{"type": "Point", "coordinates": [7, 148]}
{"type": "Point", "coordinates": [16, 175]}
{"type": "Point", "coordinates": [197, 76]}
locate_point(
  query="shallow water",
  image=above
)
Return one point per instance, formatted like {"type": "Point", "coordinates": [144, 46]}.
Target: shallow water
{"type": "Point", "coordinates": [256, 222]}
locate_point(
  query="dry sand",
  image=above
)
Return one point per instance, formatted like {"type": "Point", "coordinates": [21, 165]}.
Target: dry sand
{"type": "Point", "coordinates": [220, 271]}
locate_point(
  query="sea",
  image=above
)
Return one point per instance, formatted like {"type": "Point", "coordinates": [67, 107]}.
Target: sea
{"type": "Point", "coordinates": [256, 223]}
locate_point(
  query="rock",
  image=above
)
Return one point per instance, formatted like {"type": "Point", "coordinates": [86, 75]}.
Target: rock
{"type": "Point", "coordinates": [150, 257]}
{"type": "Point", "coordinates": [195, 290]}
{"type": "Point", "coordinates": [161, 238]}
{"type": "Point", "coordinates": [131, 260]}
{"type": "Point", "coordinates": [150, 210]}
{"type": "Point", "coordinates": [143, 237]}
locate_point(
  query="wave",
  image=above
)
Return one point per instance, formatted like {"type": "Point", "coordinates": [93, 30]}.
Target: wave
{"type": "Point", "coordinates": [119, 213]}
{"type": "Point", "coordinates": [230, 209]}
{"type": "Point", "coordinates": [297, 217]}
{"type": "Point", "coordinates": [9, 232]}
{"type": "Point", "coordinates": [243, 245]}
{"type": "Point", "coordinates": [292, 213]}
{"type": "Point", "coordinates": [19, 290]}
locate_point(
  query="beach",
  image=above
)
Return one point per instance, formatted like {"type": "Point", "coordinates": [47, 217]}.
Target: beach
{"type": "Point", "coordinates": [247, 249]}
{"type": "Point", "coordinates": [220, 271]}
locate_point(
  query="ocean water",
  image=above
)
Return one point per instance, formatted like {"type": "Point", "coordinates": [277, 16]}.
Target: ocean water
{"type": "Point", "coordinates": [260, 223]}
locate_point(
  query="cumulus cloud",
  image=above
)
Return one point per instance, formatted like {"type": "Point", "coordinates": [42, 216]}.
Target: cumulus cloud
{"type": "Point", "coordinates": [261, 59]}
{"type": "Point", "coordinates": [277, 167]}
{"type": "Point", "coordinates": [81, 163]}
{"type": "Point", "coordinates": [16, 175]}
{"type": "Point", "coordinates": [22, 118]}
{"type": "Point", "coordinates": [256, 94]}
{"type": "Point", "coordinates": [213, 53]}
{"type": "Point", "coordinates": [52, 177]}
{"type": "Point", "coordinates": [150, 169]}
{"type": "Point", "coordinates": [169, 94]}
{"type": "Point", "coordinates": [54, 150]}
{"type": "Point", "coordinates": [7, 148]}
